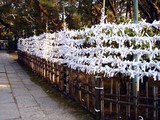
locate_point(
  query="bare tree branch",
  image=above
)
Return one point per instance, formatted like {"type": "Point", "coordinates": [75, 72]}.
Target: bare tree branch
{"type": "Point", "coordinates": [112, 8]}
{"type": "Point", "coordinates": [5, 24]}
{"type": "Point", "coordinates": [154, 9]}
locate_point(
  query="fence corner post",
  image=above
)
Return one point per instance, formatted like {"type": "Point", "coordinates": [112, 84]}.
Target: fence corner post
{"type": "Point", "coordinates": [99, 98]}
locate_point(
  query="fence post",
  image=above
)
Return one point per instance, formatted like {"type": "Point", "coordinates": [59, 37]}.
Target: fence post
{"type": "Point", "coordinates": [86, 94]}
{"type": "Point", "coordinates": [78, 82]}
{"type": "Point", "coordinates": [128, 107]}
{"type": "Point", "coordinates": [99, 98]}
{"type": "Point", "coordinates": [110, 103]}
{"type": "Point", "coordinates": [55, 75]}
{"type": "Point", "coordinates": [155, 103]}
{"type": "Point", "coordinates": [65, 78]}
{"type": "Point", "coordinates": [52, 73]}
{"type": "Point", "coordinates": [147, 101]}
{"type": "Point", "coordinates": [117, 101]}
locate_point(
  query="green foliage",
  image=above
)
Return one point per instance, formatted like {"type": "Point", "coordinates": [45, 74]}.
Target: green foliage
{"type": "Point", "coordinates": [49, 3]}
{"type": "Point", "coordinates": [28, 15]}
{"type": "Point", "coordinates": [129, 32]}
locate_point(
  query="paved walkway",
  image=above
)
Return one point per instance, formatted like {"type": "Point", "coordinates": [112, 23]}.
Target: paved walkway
{"type": "Point", "coordinates": [21, 99]}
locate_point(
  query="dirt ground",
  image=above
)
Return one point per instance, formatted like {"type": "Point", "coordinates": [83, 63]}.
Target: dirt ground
{"type": "Point", "coordinates": [14, 55]}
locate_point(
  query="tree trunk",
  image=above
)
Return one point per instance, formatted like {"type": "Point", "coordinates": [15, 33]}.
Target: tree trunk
{"type": "Point", "coordinates": [129, 9]}
{"type": "Point", "coordinates": [112, 8]}
{"type": "Point", "coordinates": [154, 10]}
{"type": "Point", "coordinates": [146, 13]}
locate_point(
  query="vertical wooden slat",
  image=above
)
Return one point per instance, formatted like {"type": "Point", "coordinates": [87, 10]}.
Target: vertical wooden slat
{"type": "Point", "coordinates": [45, 70]}
{"type": "Point", "coordinates": [87, 94]}
{"type": "Point", "coordinates": [102, 100]}
{"type": "Point", "coordinates": [37, 64]}
{"type": "Point", "coordinates": [155, 103]}
{"type": "Point", "coordinates": [42, 68]}
{"type": "Point", "coordinates": [58, 75]}
{"type": "Point", "coordinates": [99, 101]}
{"type": "Point", "coordinates": [61, 80]}
{"type": "Point", "coordinates": [47, 77]}
{"type": "Point", "coordinates": [97, 97]}
{"type": "Point", "coordinates": [52, 73]}
{"type": "Point", "coordinates": [64, 78]}
{"type": "Point", "coordinates": [55, 74]}
{"type": "Point", "coordinates": [111, 92]}
{"type": "Point", "coordinates": [94, 94]}
{"type": "Point", "coordinates": [128, 100]}
{"type": "Point", "coordinates": [117, 100]}
{"type": "Point", "coordinates": [72, 83]}
{"type": "Point", "coordinates": [147, 103]}
{"type": "Point", "coordinates": [67, 84]}
{"type": "Point", "coordinates": [79, 86]}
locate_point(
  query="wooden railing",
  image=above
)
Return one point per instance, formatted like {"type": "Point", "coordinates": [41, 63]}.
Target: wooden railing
{"type": "Point", "coordinates": [105, 98]}
{"type": "Point", "coordinates": [121, 104]}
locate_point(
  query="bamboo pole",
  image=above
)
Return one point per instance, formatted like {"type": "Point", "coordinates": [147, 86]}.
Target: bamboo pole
{"type": "Point", "coordinates": [136, 57]}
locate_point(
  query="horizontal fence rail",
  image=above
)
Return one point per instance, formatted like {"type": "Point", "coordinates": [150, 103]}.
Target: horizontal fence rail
{"type": "Point", "coordinates": [105, 98]}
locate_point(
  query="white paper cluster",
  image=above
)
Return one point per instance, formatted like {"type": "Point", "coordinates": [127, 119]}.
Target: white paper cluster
{"type": "Point", "coordinates": [131, 49]}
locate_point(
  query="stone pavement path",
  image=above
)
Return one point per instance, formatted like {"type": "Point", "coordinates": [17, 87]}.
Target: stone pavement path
{"type": "Point", "coordinates": [21, 99]}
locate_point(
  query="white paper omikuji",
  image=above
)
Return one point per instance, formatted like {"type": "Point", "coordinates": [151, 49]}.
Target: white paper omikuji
{"type": "Point", "coordinates": [105, 48]}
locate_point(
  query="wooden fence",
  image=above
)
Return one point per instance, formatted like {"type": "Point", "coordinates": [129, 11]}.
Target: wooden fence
{"type": "Point", "coordinates": [105, 98]}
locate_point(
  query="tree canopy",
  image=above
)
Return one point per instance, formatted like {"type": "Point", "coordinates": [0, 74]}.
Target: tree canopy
{"type": "Point", "coordinates": [23, 18]}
